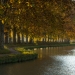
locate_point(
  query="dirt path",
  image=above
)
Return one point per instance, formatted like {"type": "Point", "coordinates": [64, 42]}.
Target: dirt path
{"type": "Point", "coordinates": [13, 51]}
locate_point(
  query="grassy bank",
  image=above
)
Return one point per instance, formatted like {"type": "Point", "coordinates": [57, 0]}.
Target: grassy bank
{"type": "Point", "coordinates": [12, 58]}
{"type": "Point", "coordinates": [6, 56]}
{"type": "Point", "coordinates": [25, 47]}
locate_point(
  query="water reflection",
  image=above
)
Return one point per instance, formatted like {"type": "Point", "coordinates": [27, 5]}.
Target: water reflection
{"type": "Point", "coordinates": [72, 52]}
{"type": "Point", "coordinates": [52, 51]}
{"type": "Point", "coordinates": [51, 61]}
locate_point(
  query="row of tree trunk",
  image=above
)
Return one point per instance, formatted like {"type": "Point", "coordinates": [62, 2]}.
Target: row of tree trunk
{"type": "Point", "coordinates": [23, 38]}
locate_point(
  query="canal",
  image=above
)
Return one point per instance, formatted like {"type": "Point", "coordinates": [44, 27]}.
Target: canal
{"type": "Point", "coordinates": [51, 61]}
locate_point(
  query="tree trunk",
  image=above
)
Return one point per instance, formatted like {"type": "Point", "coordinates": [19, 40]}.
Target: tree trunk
{"type": "Point", "coordinates": [45, 39]}
{"type": "Point", "coordinates": [42, 39]}
{"type": "Point", "coordinates": [6, 37]}
{"type": "Point", "coordinates": [26, 39]}
{"type": "Point", "coordinates": [31, 40]}
{"type": "Point", "coordinates": [10, 38]}
{"type": "Point", "coordinates": [48, 38]}
{"type": "Point", "coordinates": [18, 37]}
{"type": "Point", "coordinates": [22, 38]}
{"type": "Point", "coordinates": [14, 35]}
{"type": "Point", "coordinates": [58, 39]}
{"type": "Point", "coordinates": [1, 35]}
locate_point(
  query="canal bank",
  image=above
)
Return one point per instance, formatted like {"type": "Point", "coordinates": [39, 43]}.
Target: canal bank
{"type": "Point", "coordinates": [10, 55]}
{"type": "Point", "coordinates": [13, 58]}
{"type": "Point", "coordinates": [51, 61]}
{"type": "Point", "coordinates": [22, 53]}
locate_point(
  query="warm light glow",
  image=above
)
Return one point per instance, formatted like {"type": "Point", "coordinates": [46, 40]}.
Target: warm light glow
{"type": "Point", "coordinates": [11, 1]}
{"type": "Point", "coordinates": [19, 1]}
{"type": "Point", "coordinates": [28, 4]}
{"type": "Point", "coordinates": [2, 21]}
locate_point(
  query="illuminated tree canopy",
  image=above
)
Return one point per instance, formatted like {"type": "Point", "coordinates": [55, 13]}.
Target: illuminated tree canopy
{"type": "Point", "coordinates": [38, 18]}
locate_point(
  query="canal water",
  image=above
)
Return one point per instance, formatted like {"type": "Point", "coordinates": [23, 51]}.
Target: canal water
{"type": "Point", "coordinates": [51, 61]}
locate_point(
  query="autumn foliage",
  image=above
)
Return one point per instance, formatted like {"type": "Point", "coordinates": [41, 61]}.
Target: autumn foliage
{"type": "Point", "coordinates": [40, 19]}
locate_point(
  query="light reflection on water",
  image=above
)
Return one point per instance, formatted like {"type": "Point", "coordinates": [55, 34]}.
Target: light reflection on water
{"type": "Point", "coordinates": [51, 61]}
{"type": "Point", "coordinates": [65, 65]}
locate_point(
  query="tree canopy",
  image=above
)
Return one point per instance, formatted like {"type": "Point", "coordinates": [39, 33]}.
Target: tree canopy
{"type": "Point", "coordinates": [38, 18]}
